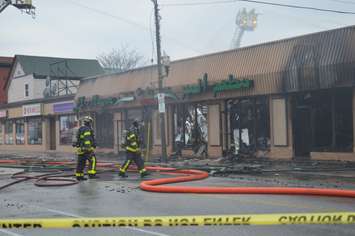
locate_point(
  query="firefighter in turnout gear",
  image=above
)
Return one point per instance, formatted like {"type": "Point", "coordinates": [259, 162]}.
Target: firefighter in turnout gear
{"type": "Point", "coordinates": [133, 153]}
{"type": "Point", "coordinates": [85, 144]}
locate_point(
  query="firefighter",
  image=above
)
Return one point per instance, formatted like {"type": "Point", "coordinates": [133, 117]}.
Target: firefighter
{"type": "Point", "coordinates": [85, 144]}
{"type": "Point", "coordinates": [133, 153]}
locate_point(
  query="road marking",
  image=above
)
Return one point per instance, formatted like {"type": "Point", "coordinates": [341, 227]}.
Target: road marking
{"type": "Point", "coordinates": [77, 216]}
{"type": "Point", "coordinates": [10, 233]}
{"type": "Point", "coordinates": [147, 231]}
{"type": "Point", "coordinates": [61, 212]}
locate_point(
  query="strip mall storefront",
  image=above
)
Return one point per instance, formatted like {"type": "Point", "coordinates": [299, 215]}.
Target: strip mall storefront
{"type": "Point", "coordinates": [292, 98]}
{"type": "Point", "coordinates": [207, 119]}
{"type": "Point", "coordinates": [40, 126]}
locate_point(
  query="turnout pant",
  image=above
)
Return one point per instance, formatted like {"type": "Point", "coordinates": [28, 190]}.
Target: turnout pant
{"type": "Point", "coordinates": [82, 158]}
{"type": "Point", "coordinates": [136, 157]}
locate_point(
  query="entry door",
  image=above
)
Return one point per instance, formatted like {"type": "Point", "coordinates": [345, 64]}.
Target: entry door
{"type": "Point", "coordinates": [52, 134]}
{"type": "Point", "coordinates": [302, 132]}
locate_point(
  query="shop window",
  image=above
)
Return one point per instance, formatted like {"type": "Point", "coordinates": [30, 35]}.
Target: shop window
{"type": "Point", "coordinates": [20, 131]}
{"type": "Point", "coordinates": [333, 121]}
{"type": "Point", "coordinates": [131, 115]}
{"type": "Point", "coordinates": [142, 115]}
{"type": "Point", "coordinates": [191, 127]}
{"type": "Point", "coordinates": [248, 125]}
{"type": "Point", "coordinates": [35, 131]}
{"type": "Point", "coordinates": [9, 138]}
{"type": "Point", "coordinates": [343, 121]}
{"type": "Point", "coordinates": [104, 130]}
{"type": "Point", "coordinates": [262, 121]}
{"type": "Point", "coordinates": [323, 122]}
{"type": "Point", "coordinates": [67, 125]}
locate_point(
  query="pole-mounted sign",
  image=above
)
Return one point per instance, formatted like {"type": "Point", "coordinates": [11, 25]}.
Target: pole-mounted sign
{"type": "Point", "coordinates": [161, 101]}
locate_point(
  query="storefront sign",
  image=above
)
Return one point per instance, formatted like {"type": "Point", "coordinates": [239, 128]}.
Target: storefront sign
{"type": "Point", "coordinates": [197, 88]}
{"type": "Point", "coordinates": [63, 107]}
{"type": "Point", "coordinates": [32, 110]}
{"type": "Point", "coordinates": [96, 101]}
{"type": "Point", "coordinates": [3, 113]}
{"type": "Point", "coordinates": [230, 84]}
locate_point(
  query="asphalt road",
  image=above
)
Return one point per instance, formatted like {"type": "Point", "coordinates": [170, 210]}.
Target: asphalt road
{"type": "Point", "coordinates": [111, 196]}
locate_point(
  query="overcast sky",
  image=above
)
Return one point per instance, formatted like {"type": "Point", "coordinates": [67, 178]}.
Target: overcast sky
{"type": "Point", "coordinates": [87, 28]}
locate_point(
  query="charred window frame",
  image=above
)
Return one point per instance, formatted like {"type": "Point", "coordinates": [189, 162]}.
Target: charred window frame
{"type": "Point", "coordinates": [248, 124]}
{"type": "Point", "coordinates": [104, 129]}
{"type": "Point", "coordinates": [332, 121]}
{"type": "Point", "coordinates": [190, 126]}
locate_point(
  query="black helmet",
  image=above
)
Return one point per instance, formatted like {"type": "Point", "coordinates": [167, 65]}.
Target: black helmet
{"type": "Point", "coordinates": [135, 123]}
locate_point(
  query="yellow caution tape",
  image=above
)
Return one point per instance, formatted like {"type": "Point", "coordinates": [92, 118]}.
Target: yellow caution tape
{"type": "Point", "coordinates": [172, 221]}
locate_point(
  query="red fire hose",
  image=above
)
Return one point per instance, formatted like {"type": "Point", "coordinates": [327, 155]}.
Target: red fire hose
{"type": "Point", "coordinates": [156, 185]}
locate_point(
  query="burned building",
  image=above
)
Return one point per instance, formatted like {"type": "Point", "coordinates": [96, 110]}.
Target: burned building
{"type": "Point", "coordinates": [292, 98]}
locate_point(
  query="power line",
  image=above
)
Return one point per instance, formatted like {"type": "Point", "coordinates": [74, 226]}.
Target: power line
{"type": "Point", "coordinates": [130, 22]}
{"type": "Point", "coordinates": [198, 3]}
{"type": "Point", "coordinates": [343, 1]}
{"type": "Point", "coordinates": [299, 7]}
{"type": "Point", "coordinates": [259, 2]}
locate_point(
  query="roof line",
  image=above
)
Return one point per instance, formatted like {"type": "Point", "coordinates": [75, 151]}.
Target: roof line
{"type": "Point", "coordinates": [222, 52]}
{"type": "Point", "coordinates": [265, 43]}
{"type": "Point", "coordinates": [67, 58]}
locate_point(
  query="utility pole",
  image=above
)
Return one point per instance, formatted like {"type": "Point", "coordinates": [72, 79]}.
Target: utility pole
{"type": "Point", "coordinates": [160, 78]}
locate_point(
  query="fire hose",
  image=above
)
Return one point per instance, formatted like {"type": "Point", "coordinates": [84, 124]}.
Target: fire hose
{"type": "Point", "coordinates": [58, 178]}
{"type": "Point", "coordinates": [158, 185]}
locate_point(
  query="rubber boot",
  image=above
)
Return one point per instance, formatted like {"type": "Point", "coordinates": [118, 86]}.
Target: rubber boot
{"type": "Point", "coordinates": [81, 178]}
{"type": "Point", "coordinates": [145, 173]}
{"type": "Point", "coordinates": [122, 174]}
{"type": "Point", "coordinates": [93, 177]}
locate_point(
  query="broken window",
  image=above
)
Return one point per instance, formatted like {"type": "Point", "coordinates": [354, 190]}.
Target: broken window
{"type": "Point", "coordinates": [325, 119]}
{"type": "Point", "coordinates": [104, 129]}
{"type": "Point", "coordinates": [343, 120]}
{"type": "Point", "coordinates": [191, 127]}
{"type": "Point", "coordinates": [248, 124]}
